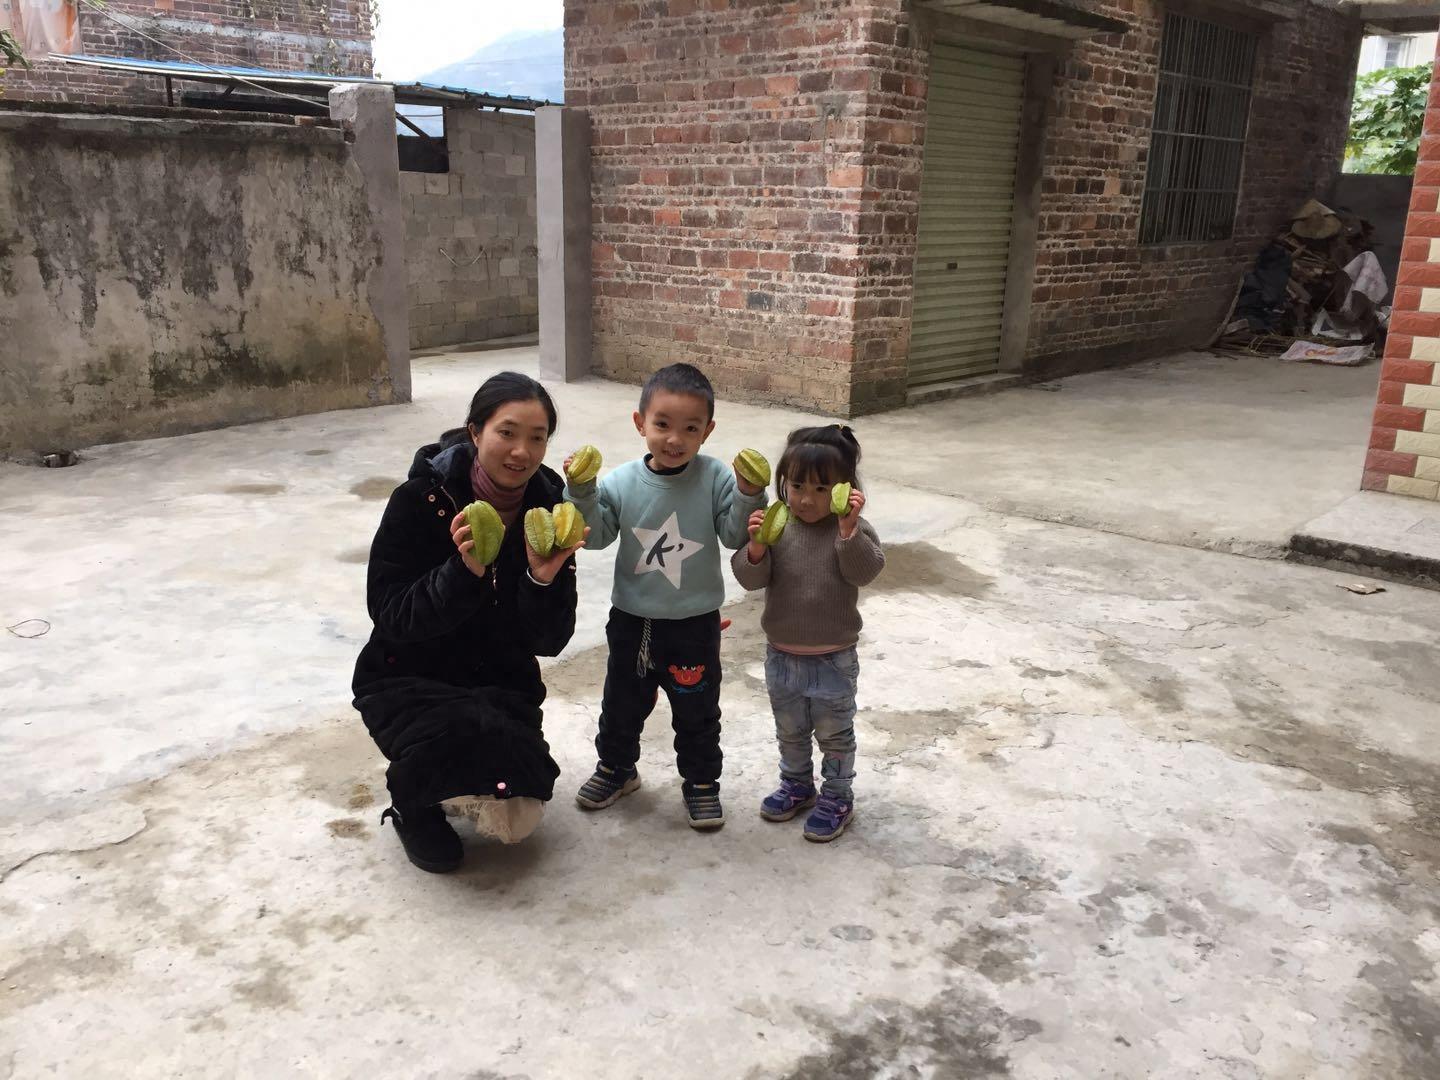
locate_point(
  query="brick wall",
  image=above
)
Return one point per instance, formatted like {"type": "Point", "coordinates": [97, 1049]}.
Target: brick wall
{"type": "Point", "coordinates": [756, 179]}
{"type": "Point", "coordinates": [484, 283]}
{"type": "Point", "coordinates": [1404, 455]}
{"type": "Point", "coordinates": [728, 165]}
{"type": "Point", "coordinates": [889, 217]}
{"type": "Point", "coordinates": [330, 36]}
{"type": "Point", "coordinates": [1096, 287]}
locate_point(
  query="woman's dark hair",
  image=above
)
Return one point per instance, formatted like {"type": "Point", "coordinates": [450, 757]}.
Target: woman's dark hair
{"type": "Point", "coordinates": [501, 389]}
{"type": "Point", "coordinates": [825, 455]}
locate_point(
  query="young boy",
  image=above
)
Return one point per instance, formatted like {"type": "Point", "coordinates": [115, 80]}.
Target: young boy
{"type": "Point", "coordinates": [670, 511]}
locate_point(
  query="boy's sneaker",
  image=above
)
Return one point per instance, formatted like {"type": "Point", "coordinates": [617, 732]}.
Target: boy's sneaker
{"type": "Point", "coordinates": [605, 787]}
{"type": "Point", "coordinates": [787, 800]}
{"type": "Point", "coordinates": [430, 842]}
{"type": "Point", "coordinates": [702, 804]}
{"type": "Point", "coordinates": [828, 819]}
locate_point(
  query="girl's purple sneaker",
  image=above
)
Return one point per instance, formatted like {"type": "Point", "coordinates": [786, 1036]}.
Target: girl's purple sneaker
{"type": "Point", "coordinates": [828, 819]}
{"type": "Point", "coordinates": [787, 800]}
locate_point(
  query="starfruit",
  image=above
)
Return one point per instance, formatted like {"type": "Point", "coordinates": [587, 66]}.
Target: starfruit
{"type": "Point", "coordinates": [840, 499]}
{"type": "Point", "coordinates": [753, 468]}
{"type": "Point", "coordinates": [540, 531]}
{"type": "Point", "coordinates": [569, 525]}
{"type": "Point", "coordinates": [584, 465]}
{"type": "Point", "coordinates": [777, 516]}
{"type": "Point", "coordinates": [486, 529]}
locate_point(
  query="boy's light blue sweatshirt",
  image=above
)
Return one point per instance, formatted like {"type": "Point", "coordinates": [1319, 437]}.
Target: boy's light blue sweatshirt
{"type": "Point", "coordinates": [670, 528]}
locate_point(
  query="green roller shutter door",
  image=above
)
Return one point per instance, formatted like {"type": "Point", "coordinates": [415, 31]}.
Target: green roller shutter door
{"type": "Point", "coordinates": [967, 201]}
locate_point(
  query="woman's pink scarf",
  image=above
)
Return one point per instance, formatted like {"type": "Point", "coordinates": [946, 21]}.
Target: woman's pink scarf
{"type": "Point", "coordinates": [506, 501]}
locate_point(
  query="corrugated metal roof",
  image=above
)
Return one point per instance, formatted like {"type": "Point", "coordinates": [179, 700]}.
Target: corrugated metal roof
{"type": "Point", "coordinates": [301, 82]}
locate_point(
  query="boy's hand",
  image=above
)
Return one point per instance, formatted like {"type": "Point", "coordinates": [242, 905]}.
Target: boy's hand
{"type": "Point", "coordinates": [746, 488]}
{"type": "Point", "coordinates": [755, 551]}
{"type": "Point", "coordinates": [460, 533]}
{"type": "Point", "coordinates": [565, 469]}
{"type": "Point", "coordinates": [851, 521]}
{"type": "Point", "coordinates": [544, 570]}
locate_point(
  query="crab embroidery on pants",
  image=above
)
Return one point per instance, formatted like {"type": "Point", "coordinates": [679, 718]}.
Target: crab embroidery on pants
{"type": "Point", "coordinates": [688, 679]}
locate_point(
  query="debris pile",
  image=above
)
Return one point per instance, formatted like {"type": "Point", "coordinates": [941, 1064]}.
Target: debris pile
{"type": "Point", "coordinates": [1314, 293]}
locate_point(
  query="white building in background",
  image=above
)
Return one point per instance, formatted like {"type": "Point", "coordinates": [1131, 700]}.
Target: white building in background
{"type": "Point", "coordinates": [1400, 50]}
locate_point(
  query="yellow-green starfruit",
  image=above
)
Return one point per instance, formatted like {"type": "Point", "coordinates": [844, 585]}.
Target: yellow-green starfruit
{"type": "Point", "coordinates": [540, 531]}
{"type": "Point", "coordinates": [840, 499]}
{"type": "Point", "coordinates": [569, 525]}
{"type": "Point", "coordinates": [486, 529]}
{"type": "Point", "coordinates": [777, 516]}
{"type": "Point", "coordinates": [584, 465]}
{"type": "Point", "coordinates": [753, 468]}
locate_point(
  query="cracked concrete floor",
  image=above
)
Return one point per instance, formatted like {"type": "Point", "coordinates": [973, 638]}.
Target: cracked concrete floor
{"type": "Point", "coordinates": [1125, 810]}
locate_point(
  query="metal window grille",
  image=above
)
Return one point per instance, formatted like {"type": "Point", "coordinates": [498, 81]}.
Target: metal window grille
{"type": "Point", "coordinates": [1197, 140]}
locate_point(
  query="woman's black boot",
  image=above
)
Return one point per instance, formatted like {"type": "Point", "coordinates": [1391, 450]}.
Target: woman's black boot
{"type": "Point", "coordinates": [430, 842]}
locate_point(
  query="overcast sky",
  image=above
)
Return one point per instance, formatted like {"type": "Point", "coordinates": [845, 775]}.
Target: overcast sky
{"type": "Point", "coordinates": [417, 36]}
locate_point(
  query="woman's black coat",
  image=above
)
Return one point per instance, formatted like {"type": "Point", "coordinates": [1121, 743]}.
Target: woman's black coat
{"type": "Point", "coordinates": [448, 684]}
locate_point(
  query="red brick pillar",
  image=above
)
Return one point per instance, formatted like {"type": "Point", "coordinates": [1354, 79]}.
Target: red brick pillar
{"type": "Point", "coordinates": [1404, 453]}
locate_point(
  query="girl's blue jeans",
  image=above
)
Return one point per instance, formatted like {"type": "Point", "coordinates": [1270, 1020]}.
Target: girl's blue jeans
{"type": "Point", "coordinates": [815, 696]}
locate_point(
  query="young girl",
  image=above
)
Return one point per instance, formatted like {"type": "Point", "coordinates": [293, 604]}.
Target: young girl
{"type": "Point", "coordinates": [812, 577]}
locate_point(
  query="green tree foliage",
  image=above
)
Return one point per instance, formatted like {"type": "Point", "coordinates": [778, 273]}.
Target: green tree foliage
{"type": "Point", "coordinates": [10, 56]}
{"type": "Point", "coordinates": [1386, 120]}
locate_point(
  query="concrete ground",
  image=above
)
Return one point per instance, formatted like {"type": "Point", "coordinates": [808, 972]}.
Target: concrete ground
{"type": "Point", "coordinates": [1390, 535]}
{"type": "Point", "coordinates": [1221, 452]}
{"type": "Point", "coordinates": [1126, 809]}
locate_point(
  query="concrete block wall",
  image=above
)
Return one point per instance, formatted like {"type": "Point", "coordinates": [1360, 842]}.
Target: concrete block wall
{"type": "Point", "coordinates": [470, 233]}
{"type": "Point", "coordinates": [332, 36]}
{"type": "Point", "coordinates": [1404, 455]}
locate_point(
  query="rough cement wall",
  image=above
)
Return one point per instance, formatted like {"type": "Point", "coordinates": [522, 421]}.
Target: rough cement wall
{"type": "Point", "coordinates": [470, 233]}
{"type": "Point", "coordinates": [161, 276]}
{"type": "Point", "coordinates": [331, 36]}
{"type": "Point", "coordinates": [1384, 201]}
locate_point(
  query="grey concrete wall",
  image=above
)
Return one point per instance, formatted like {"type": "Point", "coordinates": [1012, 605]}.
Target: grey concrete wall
{"type": "Point", "coordinates": [562, 149]}
{"type": "Point", "coordinates": [159, 276]}
{"type": "Point", "coordinates": [1384, 201]}
{"type": "Point", "coordinates": [470, 247]}
{"type": "Point", "coordinates": [368, 112]}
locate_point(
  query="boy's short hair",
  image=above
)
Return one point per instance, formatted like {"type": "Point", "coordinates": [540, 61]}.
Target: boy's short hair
{"type": "Point", "coordinates": [679, 379]}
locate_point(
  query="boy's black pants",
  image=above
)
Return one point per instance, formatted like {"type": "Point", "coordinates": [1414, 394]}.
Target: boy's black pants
{"type": "Point", "coordinates": [680, 656]}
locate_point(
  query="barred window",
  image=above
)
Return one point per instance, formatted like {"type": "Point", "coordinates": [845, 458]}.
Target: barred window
{"type": "Point", "coordinates": [1197, 140]}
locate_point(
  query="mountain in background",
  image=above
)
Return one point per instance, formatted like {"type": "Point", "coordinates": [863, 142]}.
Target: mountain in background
{"type": "Point", "coordinates": [522, 64]}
